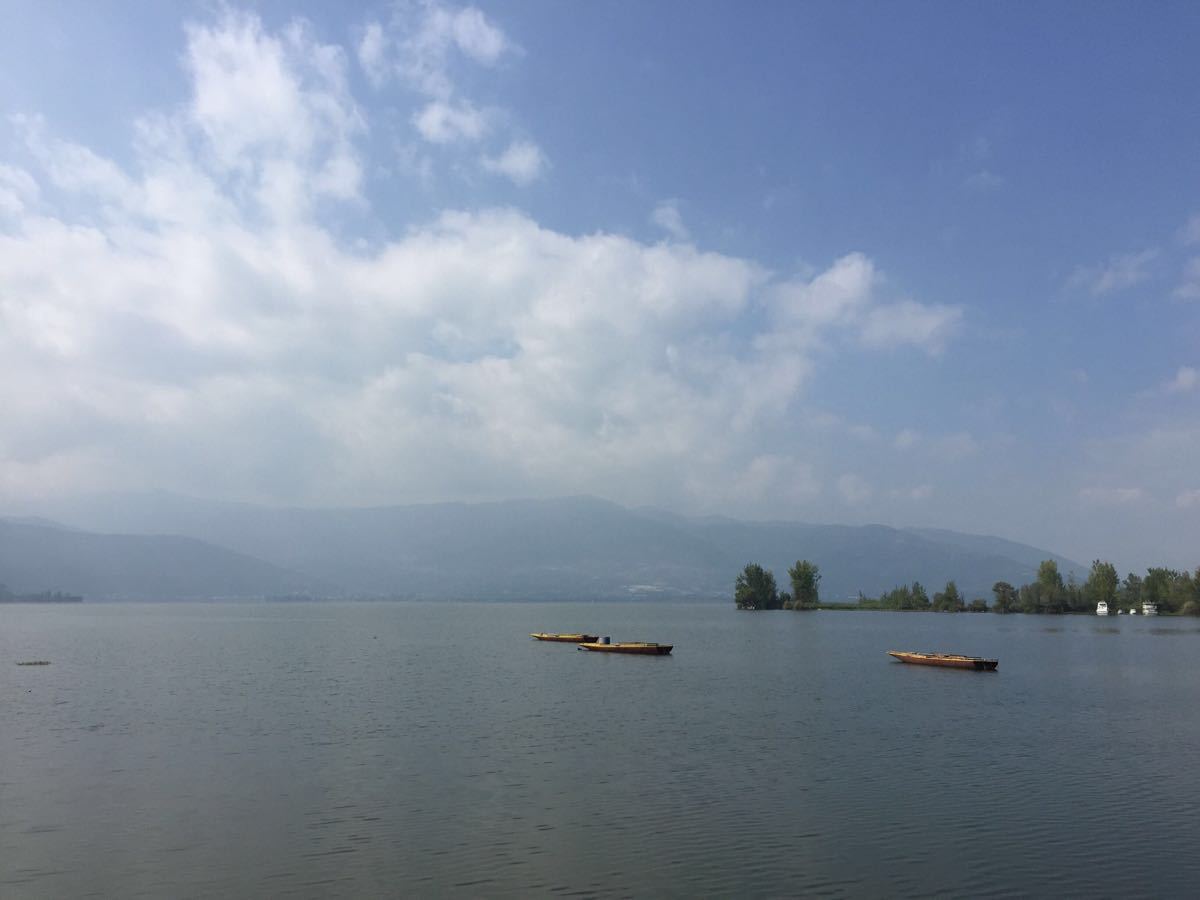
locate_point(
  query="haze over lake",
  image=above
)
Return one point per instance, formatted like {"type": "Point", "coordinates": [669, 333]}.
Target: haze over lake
{"type": "Point", "coordinates": [434, 749]}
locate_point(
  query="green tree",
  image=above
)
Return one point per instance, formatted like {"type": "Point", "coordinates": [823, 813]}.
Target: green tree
{"type": "Point", "coordinates": [920, 599]}
{"type": "Point", "coordinates": [1156, 588]}
{"type": "Point", "coordinates": [949, 599]}
{"type": "Point", "coordinates": [1048, 576]}
{"type": "Point", "coordinates": [806, 578]}
{"type": "Point", "coordinates": [1101, 585]}
{"type": "Point", "coordinates": [1029, 598]}
{"type": "Point", "coordinates": [755, 589]}
{"type": "Point", "coordinates": [1051, 592]}
{"type": "Point", "coordinates": [1006, 597]}
{"type": "Point", "coordinates": [1130, 592]}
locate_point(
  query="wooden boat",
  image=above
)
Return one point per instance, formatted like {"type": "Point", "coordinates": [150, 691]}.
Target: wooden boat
{"type": "Point", "coordinates": [950, 660]}
{"type": "Point", "coordinates": [563, 638]}
{"type": "Point", "coordinates": [646, 648]}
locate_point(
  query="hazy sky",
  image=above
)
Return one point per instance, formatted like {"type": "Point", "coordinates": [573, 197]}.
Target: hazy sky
{"type": "Point", "coordinates": [912, 263]}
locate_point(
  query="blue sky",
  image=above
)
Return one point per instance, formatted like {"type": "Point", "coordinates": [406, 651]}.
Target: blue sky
{"type": "Point", "coordinates": [927, 263]}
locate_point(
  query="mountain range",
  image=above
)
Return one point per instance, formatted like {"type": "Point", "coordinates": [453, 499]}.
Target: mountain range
{"type": "Point", "coordinates": [167, 547]}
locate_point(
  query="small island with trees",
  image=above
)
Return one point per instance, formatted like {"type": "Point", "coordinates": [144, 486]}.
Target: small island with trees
{"type": "Point", "coordinates": [1171, 591]}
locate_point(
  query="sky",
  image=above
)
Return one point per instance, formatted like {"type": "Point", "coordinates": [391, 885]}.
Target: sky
{"type": "Point", "coordinates": [918, 264]}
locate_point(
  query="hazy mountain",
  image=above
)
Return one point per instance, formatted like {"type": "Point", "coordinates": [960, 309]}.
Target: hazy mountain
{"type": "Point", "coordinates": [38, 556]}
{"type": "Point", "coordinates": [571, 548]}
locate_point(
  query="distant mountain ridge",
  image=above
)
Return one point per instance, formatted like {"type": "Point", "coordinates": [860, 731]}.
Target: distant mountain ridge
{"type": "Point", "coordinates": [37, 556]}
{"type": "Point", "coordinates": [567, 548]}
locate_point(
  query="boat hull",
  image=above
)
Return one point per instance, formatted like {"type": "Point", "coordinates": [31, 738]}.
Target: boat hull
{"type": "Point", "coordinates": [638, 647]}
{"type": "Point", "coordinates": [945, 660]}
{"type": "Point", "coordinates": [563, 638]}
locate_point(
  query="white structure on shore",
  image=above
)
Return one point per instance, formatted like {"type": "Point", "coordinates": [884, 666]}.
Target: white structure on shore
{"type": "Point", "coordinates": [1149, 609]}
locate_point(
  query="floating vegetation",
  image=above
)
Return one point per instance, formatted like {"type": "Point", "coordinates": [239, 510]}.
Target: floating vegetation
{"type": "Point", "coordinates": [35, 662]}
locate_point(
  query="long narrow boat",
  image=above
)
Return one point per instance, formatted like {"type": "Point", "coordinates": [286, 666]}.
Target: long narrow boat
{"type": "Point", "coordinates": [646, 648]}
{"type": "Point", "coordinates": [950, 660]}
{"type": "Point", "coordinates": [563, 638]}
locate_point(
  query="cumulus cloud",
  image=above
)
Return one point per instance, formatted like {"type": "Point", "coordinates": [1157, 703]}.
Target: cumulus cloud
{"type": "Point", "coordinates": [17, 189]}
{"type": "Point", "coordinates": [213, 334]}
{"type": "Point", "coordinates": [442, 123]}
{"type": "Point", "coordinates": [1185, 380]}
{"type": "Point", "coordinates": [1189, 283]}
{"type": "Point", "coordinates": [848, 295]}
{"type": "Point", "coordinates": [666, 216]}
{"type": "Point", "coordinates": [419, 48]}
{"type": "Point", "coordinates": [522, 162]}
{"type": "Point", "coordinates": [908, 322]}
{"type": "Point", "coordinates": [1117, 274]}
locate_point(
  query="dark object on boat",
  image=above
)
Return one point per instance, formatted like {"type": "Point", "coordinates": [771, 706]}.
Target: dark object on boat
{"type": "Point", "coordinates": [949, 660]}
{"type": "Point", "coordinates": [645, 648]}
{"type": "Point", "coordinates": [562, 638]}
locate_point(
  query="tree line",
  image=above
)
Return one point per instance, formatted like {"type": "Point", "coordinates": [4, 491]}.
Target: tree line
{"type": "Point", "coordinates": [1172, 591]}
{"type": "Point", "coordinates": [7, 596]}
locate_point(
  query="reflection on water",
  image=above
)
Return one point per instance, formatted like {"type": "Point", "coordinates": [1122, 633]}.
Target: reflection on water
{"type": "Point", "coordinates": [422, 749]}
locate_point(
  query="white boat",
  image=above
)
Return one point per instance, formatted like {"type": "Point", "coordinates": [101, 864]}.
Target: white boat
{"type": "Point", "coordinates": [1120, 612]}
{"type": "Point", "coordinates": [1132, 611]}
{"type": "Point", "coordinates": [1149, 609]}
{"type": "Point", "coordinates": [1102, 608]}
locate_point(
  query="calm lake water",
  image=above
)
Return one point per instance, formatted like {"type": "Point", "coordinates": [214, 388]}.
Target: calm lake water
{"type": "Point", "coordinates": [434, 750]}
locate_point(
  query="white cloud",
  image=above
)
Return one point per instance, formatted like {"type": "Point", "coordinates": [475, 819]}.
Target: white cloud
{"type": "Point", "coordinates": [372, 54]}
{"type": "Point", "coordinates": [906, 438]}
{"type": "Point", "coordinates": [666, 216]}
{"type": "Point", "coordinates": [831, 297]}
{"type": "Point", "coordinates": [1185, 380]}
{"type": "Point", "coordinates": [70, 166]}
{"type": "Point", "coordinates": [1188, 499]}
{"type": "Point", "coordinates": [443, 123]}
{"type": "Point", "coordinates": [846, 295]}
{"type": "Point", "coordinates": [419, 48]}
{"type": "Point", "coordinates": [1190, 233]}
{"type": "Point", "coordinates": [477, 37]}
{"type": "Point", "coordinates": [1111, 496]}
{"type": "Point", "coordinates": [418, 43]}
{"type": "Point", "coordinates": [1189, 285]}
{"type": "Point", "coordinates": [907, 322]}
{"type": "Point", "coordinates": [17, 190]}
{"type": "Point", "coordinates": [523, 163]}
{"type": "Point", "coordinates": [212, 334]}
{"type": "Point", "coordinates": [1117, 274]}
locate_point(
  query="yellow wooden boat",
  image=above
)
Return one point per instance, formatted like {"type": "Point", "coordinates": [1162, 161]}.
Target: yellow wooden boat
{"type": "Point", "coordinates": [949, 660]}
{"type": "Point", "coordinates": [563, 638]}
{"type": "Point", "coordinates": [645, 648]}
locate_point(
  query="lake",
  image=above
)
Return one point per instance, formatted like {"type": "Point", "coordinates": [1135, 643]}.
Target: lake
{"type": "Point", "coordinates": [416, 749]}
